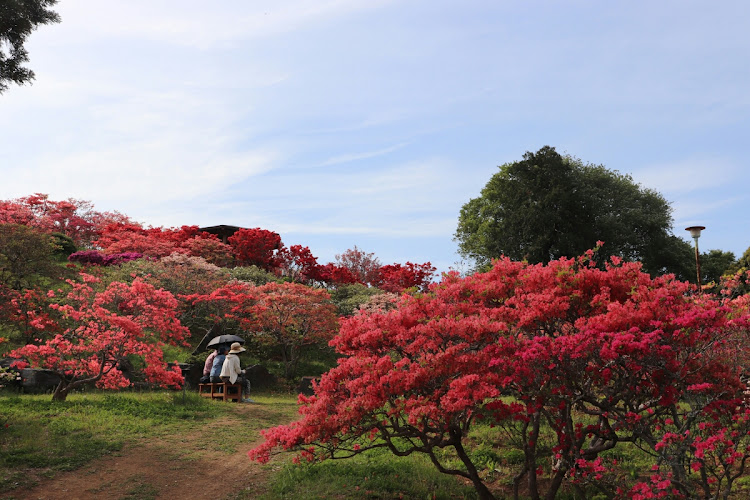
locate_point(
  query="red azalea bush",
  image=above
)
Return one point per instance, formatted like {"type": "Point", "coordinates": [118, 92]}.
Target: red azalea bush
{"type": "Point", "coordinates": [397, 277]}
{"type": "Point", "coordinates": [593, 357]}
{"type": "Point", "coordinates": [94, 257]}
{"type": "Point", "coordinates": [74, 218]}
{"type": "Point", "coordinates": [157, 242]}
{"type": "Point", "coordinates": [99, 329]}
{"type": "Point", "coordinates": [256, 247]}
{"type": "Point", "coordinates": [288, 316]}
{"type": "Point", "coordinates": [332, 275]}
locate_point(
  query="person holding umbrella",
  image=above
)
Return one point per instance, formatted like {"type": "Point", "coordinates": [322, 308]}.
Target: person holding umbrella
{"type": "Point", "coordinates": [215, 343]}
{"type": "Point", "coordinates": [218, 364]}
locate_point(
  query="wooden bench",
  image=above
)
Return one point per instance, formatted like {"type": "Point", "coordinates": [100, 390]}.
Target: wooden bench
{"type": "Point", "coordinates": [222, 391]}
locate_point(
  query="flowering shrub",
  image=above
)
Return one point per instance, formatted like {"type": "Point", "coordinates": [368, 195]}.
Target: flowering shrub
{"type": "Point", "coordinates": [96, 258]}
{"type": "Point", "coordinates": [397, 278]}
{"type": "Point", "coordinates": [333, 275]}
{"type": "Point", "coordinates": [598, 356]}
{"type": "Point", "coordinates": [256, 247]}
{"type": "Point", "coordinates": [362, 265]}
{"type": "Point", "coordinates": [288, 316]}
{"type": "Point", "coordinates": [6, 376]}
{"type": "Point", "coordinates": [297, 263]}
{"type": "Point", "coordinates": [76, 219]}
{"type": "Point", "coordinates": [101, 329]}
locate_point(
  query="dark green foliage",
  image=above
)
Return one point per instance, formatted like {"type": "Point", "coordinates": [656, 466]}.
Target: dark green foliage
{"type": "Point", "coordinates": [65, 245]}
{"type": "Point", "coordinates": [18, 18]}
{"type": "Point", "coordinates": [715, 264]}
{"type": "Point", "coordinates": [673, 255]}
{"type": "Point", "coordinates": [548, 206]}
{"type": "Point", "coordinates": [741, 263]}
{"type": "Point", "coordinates": [26, 255]}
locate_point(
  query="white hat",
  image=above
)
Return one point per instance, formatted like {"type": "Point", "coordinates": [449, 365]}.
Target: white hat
{"type": "Point", "coordinates": [236, 348]}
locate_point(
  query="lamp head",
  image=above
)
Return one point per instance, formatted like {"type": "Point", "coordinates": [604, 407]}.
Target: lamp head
{"type": "Point", "coordinates": [695, 231]}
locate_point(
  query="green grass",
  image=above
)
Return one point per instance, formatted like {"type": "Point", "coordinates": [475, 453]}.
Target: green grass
{"type": "Point", "coordinates": [375, 474]}
{"type": "Point", "coordinates": [40, 437]}
{"type": "Point", "coordinates": [45, 435]}
{"type": "Point", "coordinates": [141, 491]}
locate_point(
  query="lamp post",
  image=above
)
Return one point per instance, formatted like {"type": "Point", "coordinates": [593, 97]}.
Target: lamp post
{"type": "Point", "coordinates": [695, 232]}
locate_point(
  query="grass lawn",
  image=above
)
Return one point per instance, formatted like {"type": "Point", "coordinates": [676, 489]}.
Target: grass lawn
{"type": "Point", "coordinates": [41, 439]}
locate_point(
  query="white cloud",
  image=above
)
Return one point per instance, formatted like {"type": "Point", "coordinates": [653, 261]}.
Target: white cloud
{"type": "Point", "coordinates": [686, 176]}
{"type": "Point", "coordinates": [377, 119]}
{"type": "Point", "coordinates": [351, 157]}
{"type": "Point", "coordinates": [139, 173]}
{"type": "Point", "coordinates": [694, 211]}
{"type": "Point", "coordinates": [200, 24]}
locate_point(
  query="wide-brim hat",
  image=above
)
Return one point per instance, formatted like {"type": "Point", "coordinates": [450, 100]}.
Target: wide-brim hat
{"type": "Point", "coordinates": [236, 348]}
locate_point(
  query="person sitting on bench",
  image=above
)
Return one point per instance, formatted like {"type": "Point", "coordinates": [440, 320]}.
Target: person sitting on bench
{"type": "Point", "coordinates": [218, 364]}
{"type": "Point", "coordinates": [230, 370]}
{"type": "Point", "coordinates": [206, 378]}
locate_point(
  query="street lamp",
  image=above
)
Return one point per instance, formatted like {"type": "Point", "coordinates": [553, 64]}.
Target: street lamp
{"type": "Point", "coordinates": [695, 232]}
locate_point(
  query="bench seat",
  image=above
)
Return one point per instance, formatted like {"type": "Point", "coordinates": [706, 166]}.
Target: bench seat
{"type": "Point", "coordinates": [222, 391]}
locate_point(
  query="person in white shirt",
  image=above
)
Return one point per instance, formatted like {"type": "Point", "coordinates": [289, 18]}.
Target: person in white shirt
{"type": "Point", "coordinates": [231, 370]}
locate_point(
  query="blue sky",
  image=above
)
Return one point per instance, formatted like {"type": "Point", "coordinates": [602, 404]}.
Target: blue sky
{"type": "Point", "coordinates": [340, 123]}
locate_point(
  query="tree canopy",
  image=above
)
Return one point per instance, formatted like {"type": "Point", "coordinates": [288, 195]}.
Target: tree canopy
{"type": "Point", "coordinates": [18, 18]}
{"type": "Point", "coordinates": [714, 264]}
{"type": "Point", "coordinates": [548, 206]}
{"type": "Point", "coordinates": [566, 360]}
{"type": "Point", "coordinates": [103, 328]}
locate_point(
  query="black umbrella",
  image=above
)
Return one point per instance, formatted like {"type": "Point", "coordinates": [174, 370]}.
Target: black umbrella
{"type": "Point", "coordinates": [224, 340]}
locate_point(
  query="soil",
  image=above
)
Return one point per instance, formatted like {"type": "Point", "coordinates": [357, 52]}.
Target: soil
{"type": "Point", "coordinates": [180, 467]}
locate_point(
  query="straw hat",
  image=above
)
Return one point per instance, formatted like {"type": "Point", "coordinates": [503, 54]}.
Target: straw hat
{"type": "Point", "coordinates": [236, 348]}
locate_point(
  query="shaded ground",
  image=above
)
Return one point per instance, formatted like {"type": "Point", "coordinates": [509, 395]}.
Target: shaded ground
{"type": "Point", "coordinates": [204, 463]}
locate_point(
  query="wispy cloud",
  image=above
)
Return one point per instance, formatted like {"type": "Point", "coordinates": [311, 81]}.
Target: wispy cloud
{"type": "Point", "coordinates": [689, 175]}
{"type": "Point", "coordinates": [375, 119]}
{"type": "Point", "coordinates": [695, 211]}
{"type": "Point", "coordinates": [194, 24]}
{"type": "Point", "coordinates": [407, 229]}
{"type": "Point", "coordinates": [347, 158]}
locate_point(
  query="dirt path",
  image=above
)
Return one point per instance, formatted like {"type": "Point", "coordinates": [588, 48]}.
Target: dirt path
{"type": "Point", "coordinates": [186, 466]}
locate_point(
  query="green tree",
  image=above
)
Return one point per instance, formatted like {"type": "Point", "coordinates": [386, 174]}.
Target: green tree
{"type": "Point", "coordinates": [28, 265]}
{"type": "Point", "coordinates": [65, 245]}
{"type": "Point", "coordinates": [26, 255]}
{"type": "Point", "coordinates": [714, 264]}
{"type": "Point", "coordinates": [740, 270]}
{"type": "Point", "coordinates": [741, 263]}
{"type": "Point", "coordinates": [548, 206]}
{"type": "Point", "coordinates": [18, 18]}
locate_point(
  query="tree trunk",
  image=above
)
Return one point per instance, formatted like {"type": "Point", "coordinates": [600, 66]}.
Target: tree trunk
{"type": "Point", "coordinates": [530, 453]}
{"type": "Point", "coordinates": [61, 391]}
{"type": "Point", "coordinates": [64, 387]}
{"type": "Point", "coordinates": [556, 483]}
{"type": "Point", "coordinates": [285, 358]}
{"type": "Point", "coordinates": [482, 490]}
